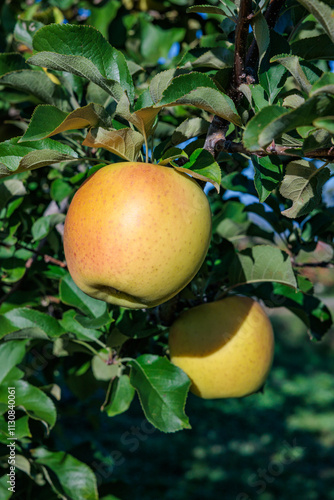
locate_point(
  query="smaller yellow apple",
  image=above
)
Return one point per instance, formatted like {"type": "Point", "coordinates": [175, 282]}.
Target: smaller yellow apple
{"type": "Point", "coordinates": [226, 347]}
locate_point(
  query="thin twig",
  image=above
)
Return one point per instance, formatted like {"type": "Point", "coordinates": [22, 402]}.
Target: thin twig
{"type": "Point", "coordinates": [47, 258]}
{"type": "Point", "coordinates": [326, 265]}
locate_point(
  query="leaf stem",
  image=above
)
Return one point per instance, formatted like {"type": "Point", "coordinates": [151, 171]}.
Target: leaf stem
{"type": "Point", "coordinates": [125, 360]}
{"type": "Point", "coordinates": [146, 148]}
{"type": "Point", "coordinates": [90, 348]}
{"type": "Point", "coordinates": [87, 158]}
{"type": "Point", "coordinates": [107, 394]}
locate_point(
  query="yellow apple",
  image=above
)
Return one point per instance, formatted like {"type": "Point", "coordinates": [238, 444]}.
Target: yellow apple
{"type": "Point", "coordinates": [136, 234]}
{"type": "Point", "coordinates": [226, 347]}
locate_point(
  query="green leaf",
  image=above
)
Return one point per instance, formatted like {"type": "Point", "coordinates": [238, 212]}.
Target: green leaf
{"type": "Point", "coordinates": [261, 263]}
{"type": "Point", "coordinates": [263, 118]}
{"type": "Point", "coordinates": [314, 313]}
{"type": "Point", "coordinates": [189, 128]}
{"type": "Point", "coordinates": [11, 354]}
{"type": "Point", "coordinates": [231, 222]}
{"type": "Point", "coordinates": [9, 189]}
{"type": "Point", "coordinates": [103, 320]}
{"type": "Point", "coordinates": [231, 5]}
{"type": "Point", "coordinates": [23, 318]}
{"type": "Point", "coordinates": [325, 84]}
{"type": "Point", "coordinates": [162, 388]}
{"type": "Point", "coordinates": [125, 142]}
{"type": "Point", "coordinates": [161, 81]}
{"type": "Point", "coordinates": [135, 324]}
{"type": "Point", "coordinates": [11, 61]}
{"type": "Point", "coordinates": [216, 58]}
{"type": "Point", "coordinates": [197, 89]}
{"type": "Point", "coordinates": [13, 269]}
{"type": "Point", "coordinates": [261, 33]}
{"type": "Point", "coordinates": [143, 118]}
{"type": "Point", "coordinates": [292, 64]}
{"type": "Point", "coordinates": [268, 174]}
{"type": "Point", "coordinates": [101, 367]}
{"type": "Point", "coordinates": [121, 396]}
{"type": "Point", "coordinates": [49, 120]}
{"type": "Point", "coordinates": [72, 295]}
{"type": "Point", "coordinates": [326, 123]}
{"type": "Point", "coordinates": [228, 9]}
{"type": "Point", "coordinates": [83, 51]}
{"type": "Point", "coordinates": [156, 42]}
{"type": "Point", "coordinates": [36, 84]}
{"type": "Point", "coordinates": [318, 139]}
{"type": "Point", "coordinates": [303, 184]}
{"type": "Point", "coordinates": [181, 85]}
{"type": "Point", "coordinates": [25, 30]}
{"type": "Point", "coordinates": [313, 48]}
{"type": "Point", "coordinates": [203, 166]}
{"type": "Point", "coordinates": [323, 13]}
{"type": "Point", "coordinates": [77, 480]}
{"type": "Point", "coordinates": [101, 15]}
{"type": "Point", "coordinates": [44, 225]}
{"type": "Point", "coordinates": [21, 429]}
{"type": "Point", "coordinates": [32, 400]}
{"type": "Point", "coordinates": [272, 79]}
{"type": "Point", "coordinates": [278, 223]}
{"type": "Point", "coordinates": [108, 497]}
{"type": "Point", "coordinates": [70, 324]}
{"type": "Point", "coordinates": [293, 101]}
{"type": "Point", "coordinates": [265, 126]}
{"type": "Point", "coordinates": [259, 98]}
{"type": "Point", "coordinates": [15, 373]}
{"type": "Point", "coordinates": [172, 154]}
{"type": "Point", "coordinates": [211, 9]}
{"type": "Point", "coordinates": [320, 253]}
{"type": "Point", "coordinates": [18, 157]}
{"type": "Point", "coordinates": [235, 181]}
{"type": "Point", "coordinates": [4, 492]}
{"type": "Point", "coordinates": [60, 190]}
{"type": "Point", "coordinates": [23, 464]}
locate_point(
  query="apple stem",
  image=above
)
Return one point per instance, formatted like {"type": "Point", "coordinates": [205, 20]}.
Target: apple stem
{"type": "Point", "coordinates": [146, 149]}
{"type": "Point", "coordinates": [107, 394]}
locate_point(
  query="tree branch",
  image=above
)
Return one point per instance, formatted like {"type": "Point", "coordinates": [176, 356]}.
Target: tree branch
{"type": "Point", "coordinates": [239, 75]}
{"type": "Point", "coordinates": [216, 135]}
{"type": "Point", "coordinates": [271, 16]}
{"type": "Point", "coordinates": [218, 127]}
{"type": "Point", "coordinates": [274, 149]}
{"type": "Point", "coordinates": [273, 11]}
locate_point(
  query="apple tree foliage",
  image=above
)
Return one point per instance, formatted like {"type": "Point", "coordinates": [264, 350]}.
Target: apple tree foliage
{"type": "Point", "coordinates": [142, 80]}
